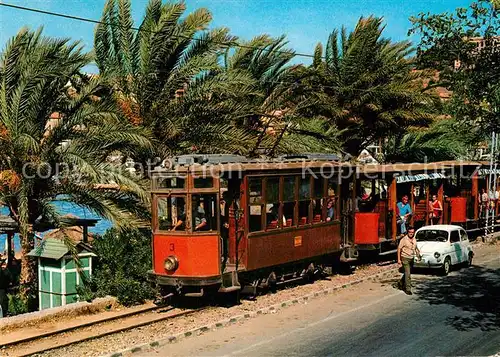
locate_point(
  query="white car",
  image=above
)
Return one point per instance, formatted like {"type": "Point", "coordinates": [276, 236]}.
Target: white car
{"type": "Point", "coordinates": [442, 246]}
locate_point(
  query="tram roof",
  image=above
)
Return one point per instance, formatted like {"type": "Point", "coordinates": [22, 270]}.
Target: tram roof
{"type": "Point", "coordinates": [228, 163]}
{"type": "Point", "coordinates": [413, 167]}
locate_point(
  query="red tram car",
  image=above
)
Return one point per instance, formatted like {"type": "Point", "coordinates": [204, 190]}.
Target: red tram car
{"type": "Point", "coordinates": [225, 223]}
{"type": "Point", "coordinates": [373, 222]}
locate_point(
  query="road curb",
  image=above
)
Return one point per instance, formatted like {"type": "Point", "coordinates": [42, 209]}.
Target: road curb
{"type": "Point", "coordinates": [232, 320]}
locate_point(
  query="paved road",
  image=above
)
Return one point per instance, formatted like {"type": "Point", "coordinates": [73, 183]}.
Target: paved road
{"type": "Point", "coordinates": [458, 315]}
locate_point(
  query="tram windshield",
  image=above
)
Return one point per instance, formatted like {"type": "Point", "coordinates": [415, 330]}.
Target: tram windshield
{"type": "Point", "coordinates": [204, 216]}
{"type": "Point", "coordinates": [172, 213]}
{"type": "Point", "coordinates": [432, 235]}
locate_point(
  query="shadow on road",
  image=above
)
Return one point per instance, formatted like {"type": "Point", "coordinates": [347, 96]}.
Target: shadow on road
{"type": "Point", "coordinates": [475, 290]}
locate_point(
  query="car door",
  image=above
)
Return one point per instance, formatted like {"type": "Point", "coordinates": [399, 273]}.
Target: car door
{"type": "Point", "coordinates": [456, 247]}
{"type": "Point", "coordinates": [465, 243]}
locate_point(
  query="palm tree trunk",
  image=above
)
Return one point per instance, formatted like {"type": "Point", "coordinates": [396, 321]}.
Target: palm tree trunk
{"type": "Point", "coordinates": [28, 276]}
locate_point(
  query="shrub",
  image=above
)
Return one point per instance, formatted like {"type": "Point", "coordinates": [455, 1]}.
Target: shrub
{"type": "Point", "coordinates": [120, 269]}
{"type": "Point", "coordinates": [17, 305]}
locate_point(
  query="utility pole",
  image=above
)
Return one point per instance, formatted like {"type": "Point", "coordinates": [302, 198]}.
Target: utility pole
{"type": "Point", "coordinates": [491, 177]}
{"type": "Point", "coordinates": [495, 185]}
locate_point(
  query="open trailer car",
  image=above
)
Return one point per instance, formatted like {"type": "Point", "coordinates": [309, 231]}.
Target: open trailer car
{"type": "Point", "coordinates": [372, 227]}
{"type": "Point", "coordinates": [223, 223]}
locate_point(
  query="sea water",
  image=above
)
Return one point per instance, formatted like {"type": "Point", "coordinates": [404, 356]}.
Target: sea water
{"type": "Point", "coordinates": [64, 208]}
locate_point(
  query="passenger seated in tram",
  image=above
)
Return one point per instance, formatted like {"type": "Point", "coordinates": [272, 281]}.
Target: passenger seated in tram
{"type": "Point", "coordinates": [179, 207]}
{"type": "Point", "coordinates": [404, 213]}
{"type": "Point", "coordinates": [330, 213]}
{"type": "Point", "coordinates": [199, 218]}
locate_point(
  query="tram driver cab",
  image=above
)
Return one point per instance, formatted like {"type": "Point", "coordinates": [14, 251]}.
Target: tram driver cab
{"type": "Point", "coordinates": [187, 240]}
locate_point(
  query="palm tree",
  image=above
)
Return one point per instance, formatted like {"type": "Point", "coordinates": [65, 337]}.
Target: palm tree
{"type": "Point", "coordinates": [445, 139]}
{"type": "Point", "coordinates": [166, 76]}
{"type": "Point", "coordinates": [55, 137]}
{"type": "Point", "coordinates": [278, 100]}
{"type": "Point", "coordinates": [366, 85]}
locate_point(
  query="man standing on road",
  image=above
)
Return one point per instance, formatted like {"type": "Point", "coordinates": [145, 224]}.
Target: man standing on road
{"type": "Point", "coordinates": [407, 250]}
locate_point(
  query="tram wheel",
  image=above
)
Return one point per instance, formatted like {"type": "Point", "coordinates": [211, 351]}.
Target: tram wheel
{"type": "Point", "coordinates": [272, 282]}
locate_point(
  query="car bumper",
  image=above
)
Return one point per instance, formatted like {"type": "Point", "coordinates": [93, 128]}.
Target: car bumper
{"type": "Point", "coordinates": [427, 263]}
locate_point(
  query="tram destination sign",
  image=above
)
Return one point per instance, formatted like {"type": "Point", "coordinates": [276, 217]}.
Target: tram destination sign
{"type": "Point", "coordinates": [420, 177]}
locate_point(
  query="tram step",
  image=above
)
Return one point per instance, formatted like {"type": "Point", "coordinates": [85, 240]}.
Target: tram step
{"type": "Point", "coordinates": [229, 289]}
{"type": "Point", "coordinates": [389, 252]}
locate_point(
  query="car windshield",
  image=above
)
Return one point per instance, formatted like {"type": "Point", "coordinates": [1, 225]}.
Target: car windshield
{"type": "Point", "coordinates": [432, 235]}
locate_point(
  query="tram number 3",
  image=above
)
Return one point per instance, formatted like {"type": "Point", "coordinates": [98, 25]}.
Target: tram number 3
{"type": "Point", "coordinates": [297, 241]}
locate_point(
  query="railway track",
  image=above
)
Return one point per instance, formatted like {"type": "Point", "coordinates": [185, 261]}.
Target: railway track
{"type": "Point", "coordinates": [34, 344]}
{"type": "Point", "coordinates": [51, 340]}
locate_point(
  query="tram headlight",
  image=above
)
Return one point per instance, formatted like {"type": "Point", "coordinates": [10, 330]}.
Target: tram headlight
{"type": "Point", "coordinates": [437, 255]}
{"type": "Point", "coordinates": [171, 263]}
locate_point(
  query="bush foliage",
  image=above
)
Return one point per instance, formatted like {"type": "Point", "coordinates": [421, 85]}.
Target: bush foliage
{"type": "Point", "coordinates": [123, 259]}
{"type": "Point", "coordinates": [17, 305]}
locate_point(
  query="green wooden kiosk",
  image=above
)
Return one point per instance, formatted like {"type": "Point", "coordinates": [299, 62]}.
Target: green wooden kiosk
{"type": "Point", "coordinates": [58, 275]}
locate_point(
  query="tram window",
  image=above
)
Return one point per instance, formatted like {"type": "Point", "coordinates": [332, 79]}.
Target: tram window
{"type": "Point", "coordinates": [289, 188]}
{"type": "Point", "coordinates": [319, 184]}
{"type": "Point", "coordinates": [272, 203]}
{"type": "Point", "coordinates": [255, 190]}
{"type": "Point", "coordinates": [304, 212]}
{"type": "Point", "coordinates": [255, 219]}
{"type": "Point", "coordinates": [204, 215]}
{"type": "Point", "coordinates": [332, 207]}
{"type": "Point", "coordinates": [318, 210]}
{"type": "Point", "coordinates": [305, 188]}
{"type": "Point", "coordinates": [272, 189]}
{"type": "Point", "coordinates": [272, 216]}
{"type": "Point", "coordinates": [171, 213]}
{"type": "Point", "coordinates": [289, 185]}
{"type": "Point", "coordinates": [204, 182]}
{"type": "Point", "coordinates": [289, 214]}
{"type": "Point", "coordinates": [255, 200]}
{"type": "Point", "coordinates": [169, 182]}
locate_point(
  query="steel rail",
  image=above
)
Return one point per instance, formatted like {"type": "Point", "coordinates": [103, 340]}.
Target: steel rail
{"type": "Point", "coordinates": [33, 339]}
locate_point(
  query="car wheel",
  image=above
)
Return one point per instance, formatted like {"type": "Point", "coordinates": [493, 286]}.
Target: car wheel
{"type": "Point", "coordinates": [469, 259]}
{"type": "Point", "coordinates": [446, 266]}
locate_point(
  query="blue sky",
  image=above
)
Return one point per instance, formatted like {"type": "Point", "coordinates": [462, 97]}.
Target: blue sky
{"type": "Point", "coordinates": [305, 22]}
